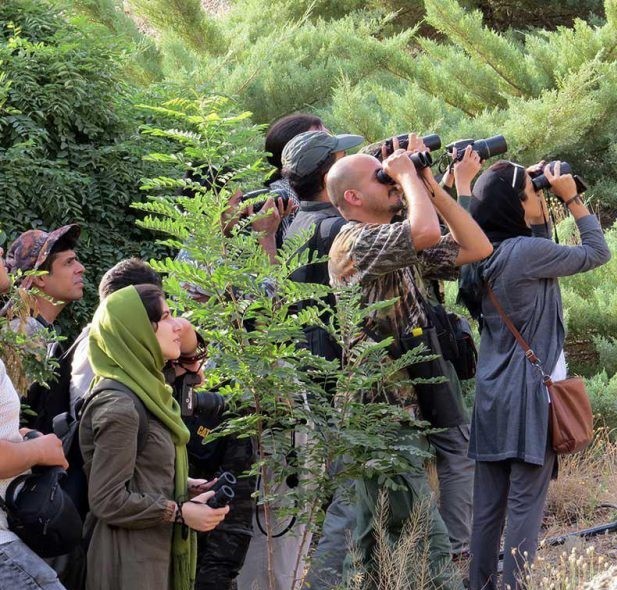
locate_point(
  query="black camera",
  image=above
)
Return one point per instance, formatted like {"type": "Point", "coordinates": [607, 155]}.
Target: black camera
{"type": "Point", "coordinates": [432, 142]}
{"type": "Point", "coordinates": [420, 160]}
{"type": "Point", "coordinates": [541, 182]}
{"type": "Point", "coordinates": [486, 148]}
{"type": "Point", "coordinates": [193, 402]}
{"type": "Point", "coordinates": [276, 193]}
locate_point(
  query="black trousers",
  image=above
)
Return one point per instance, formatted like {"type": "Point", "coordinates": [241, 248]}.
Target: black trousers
{"type": "Point", "coordinates": [221, 552]}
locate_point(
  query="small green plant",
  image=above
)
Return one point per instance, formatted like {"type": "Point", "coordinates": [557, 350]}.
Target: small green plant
{"type": "Point", "coordinates": [24, 354]}
{"type": "Point", "coordinates": [248, 314]}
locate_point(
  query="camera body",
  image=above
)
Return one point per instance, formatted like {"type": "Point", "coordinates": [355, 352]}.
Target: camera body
{"type": "Point", "coordinates": [540, 181]}
{"type": "Point", "coordinates": [486, 148]}
{"type": "Point", "coordinates": [432, 143]}
{"type": "Point", "coordinates": [276, 193]}
{"type": "Point", "coordinates": [420, 160]}
{"type": "Point", "coordinates": [198, 402]}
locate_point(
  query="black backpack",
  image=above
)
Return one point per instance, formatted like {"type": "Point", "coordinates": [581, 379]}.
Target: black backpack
{"type": "Point", "coordinates": [41, 513]}
{"type": "Point", "coordinates": [51, 399]}
{"type": "Point", "coordinates": [327, 227]}
{"type": "Point", "coordinates": [66, 428]}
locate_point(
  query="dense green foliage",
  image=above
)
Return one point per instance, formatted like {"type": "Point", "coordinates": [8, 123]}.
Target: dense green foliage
{"type": "Point", "coordinates": [442, 66]}
{"type": "Point", "coordinates": [69, 147]}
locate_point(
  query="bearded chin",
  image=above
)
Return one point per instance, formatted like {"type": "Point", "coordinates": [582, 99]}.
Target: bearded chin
{"type": "Point", "coordinates": [396, 207]}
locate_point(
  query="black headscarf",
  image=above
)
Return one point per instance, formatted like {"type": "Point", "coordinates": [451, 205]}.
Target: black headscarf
{"type": "Point", "coordinates": [496, 205]}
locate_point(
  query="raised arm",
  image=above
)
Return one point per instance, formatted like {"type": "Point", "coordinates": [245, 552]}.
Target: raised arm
{"type": "Point", "coordinates": [473, 243]}
{"type": "Point", "coordinates": [423, 220]}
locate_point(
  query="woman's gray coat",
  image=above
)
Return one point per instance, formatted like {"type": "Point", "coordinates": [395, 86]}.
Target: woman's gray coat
{"type": "Point", "coordinates": [510, 417]}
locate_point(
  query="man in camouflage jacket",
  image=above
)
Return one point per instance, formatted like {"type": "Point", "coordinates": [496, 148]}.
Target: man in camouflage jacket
{"type": "Point", "coordinates": [389, 258]}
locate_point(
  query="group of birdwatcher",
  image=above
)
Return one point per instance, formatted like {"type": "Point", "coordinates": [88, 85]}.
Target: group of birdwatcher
{"type": "Point", "coordinates": [139, 502]}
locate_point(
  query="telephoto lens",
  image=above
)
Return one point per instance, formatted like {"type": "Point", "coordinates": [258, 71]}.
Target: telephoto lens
{"type": "Point", "coordinates": [209, 403]}
{"type": "Point", "coordinates": [223, 496]}
{"type": "Point", "coordinates": [225, 479]}
{"type": "Point", "coordinates": [420, 160]}
{"type": "Point", "coordinates": [486, 148]}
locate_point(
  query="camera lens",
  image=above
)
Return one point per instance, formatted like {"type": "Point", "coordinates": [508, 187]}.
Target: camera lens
{"type": "Point", "coordinates": [209, 403]}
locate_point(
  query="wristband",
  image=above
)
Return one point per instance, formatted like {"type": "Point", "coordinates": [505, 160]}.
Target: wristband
{"type": "Point", "coordinates": [179, 519]}
{"type": "Point", "coordinates": [574, 199]}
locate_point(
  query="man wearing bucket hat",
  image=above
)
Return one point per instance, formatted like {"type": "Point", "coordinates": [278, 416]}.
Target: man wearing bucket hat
{"type": "Point", "coordinates": [62, 282]}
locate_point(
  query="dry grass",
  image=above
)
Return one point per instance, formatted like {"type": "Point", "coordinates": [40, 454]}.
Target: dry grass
{"type": "Point", "coordinates": [573, 570]}
{"type": "Point", "coordinates": [587, 482]}
{"type": "Point", "coordinates": [584, 495]}
{"type": "Point", "coordinates": [405, 564]}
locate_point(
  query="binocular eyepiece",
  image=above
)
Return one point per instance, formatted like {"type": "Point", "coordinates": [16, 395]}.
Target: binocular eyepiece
{"type": "Point", "coordinates": [224, 490]}
{"type": "Point", "coordinates": [224, 495]}
{"type": "Point", "coordinates": [420, 160]}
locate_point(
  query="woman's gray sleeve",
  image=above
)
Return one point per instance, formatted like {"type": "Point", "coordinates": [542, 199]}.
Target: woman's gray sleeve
{"type": "Point", "coordinates": [543, 259]}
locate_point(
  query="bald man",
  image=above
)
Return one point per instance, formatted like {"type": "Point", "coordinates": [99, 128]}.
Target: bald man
{"type": "Point", "coordinates": [390, 245]}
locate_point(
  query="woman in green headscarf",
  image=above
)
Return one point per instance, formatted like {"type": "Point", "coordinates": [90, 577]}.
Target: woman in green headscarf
{"type": "Point", "coordinates": [140, 516]}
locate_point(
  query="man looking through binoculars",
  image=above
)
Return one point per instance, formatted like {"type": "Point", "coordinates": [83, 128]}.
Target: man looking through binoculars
{"type": "Point", "coordinates": [390, 258]}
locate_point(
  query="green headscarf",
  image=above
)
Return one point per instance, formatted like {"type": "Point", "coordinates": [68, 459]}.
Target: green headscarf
{"type": "Point", "coordinates": [123, 347]}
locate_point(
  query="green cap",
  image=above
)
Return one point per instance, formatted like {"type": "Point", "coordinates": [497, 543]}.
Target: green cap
{"type": "Point", "coordinates": [306, 152]}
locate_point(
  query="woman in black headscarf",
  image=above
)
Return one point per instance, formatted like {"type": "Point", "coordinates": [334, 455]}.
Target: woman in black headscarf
{"type": "Point", "coordinates": [509, 429]}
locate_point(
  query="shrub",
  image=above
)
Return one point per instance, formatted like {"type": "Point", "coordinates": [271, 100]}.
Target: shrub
{"type": "Point", "coordinates": [602, 391]}
{"type": "Point", "coordinates": [69, 152]}
{"type": "Point", "coordinates": [251, 323]}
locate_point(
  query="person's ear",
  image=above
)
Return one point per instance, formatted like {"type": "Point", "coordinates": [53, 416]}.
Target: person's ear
{"type": "Point", "coordinates": [39, 281]}
{"type": "Point", "coordinates": [352, 197]}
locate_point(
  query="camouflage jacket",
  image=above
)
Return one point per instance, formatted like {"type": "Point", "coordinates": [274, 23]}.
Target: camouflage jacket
{"type": "Point", "coordinates": [383, 260]}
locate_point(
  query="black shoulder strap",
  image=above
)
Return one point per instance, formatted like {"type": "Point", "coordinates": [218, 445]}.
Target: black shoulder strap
{"type": "Point", "coordinates": [326, 228]}
{"type": "Point", "coordinates": [113, 385]}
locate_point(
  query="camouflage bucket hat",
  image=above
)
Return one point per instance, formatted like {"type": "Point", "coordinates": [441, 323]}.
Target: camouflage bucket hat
{"type": "Point", "coordinates": [32, 248]}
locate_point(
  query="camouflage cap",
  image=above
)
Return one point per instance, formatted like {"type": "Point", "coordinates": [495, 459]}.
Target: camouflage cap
{"type": "Point", "coordinates": [306, 152]}
{"type": "Point", "coordinates": [32, 248]}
